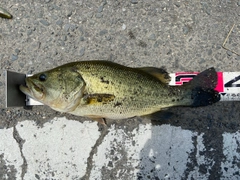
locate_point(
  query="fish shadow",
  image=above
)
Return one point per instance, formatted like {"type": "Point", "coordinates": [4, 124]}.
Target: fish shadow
{"type": "Point", "coordinates": [163, 154]}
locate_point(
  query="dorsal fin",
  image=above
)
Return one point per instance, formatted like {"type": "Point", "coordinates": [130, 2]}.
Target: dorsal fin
{"type": "Point", "coordinates": [159, 73]}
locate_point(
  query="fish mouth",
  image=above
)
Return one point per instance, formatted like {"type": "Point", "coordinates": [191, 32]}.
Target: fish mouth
{"type": "Point", "coordinates": [31, 89]}
{"type": "Point", "coordinates": [25, 89]}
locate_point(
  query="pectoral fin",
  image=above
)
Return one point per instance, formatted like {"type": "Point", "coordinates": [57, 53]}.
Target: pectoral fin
{"type": "Point", "coordinates": [159, 73]}
{"type": "Point", "coordinates": [101, 120]}
{"type": "Point", "coordinates": [98, 99]}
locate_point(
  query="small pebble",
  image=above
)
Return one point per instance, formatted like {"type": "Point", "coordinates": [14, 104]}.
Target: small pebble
{"type": "Point", "coordinates": [99, 15]}
{"type": "Point", "coordinates": [90, 14]}
{"type": "Point", "coordinates": [36, 45]}
{"type": "Point", "coordinates": [59, 22]}
{"type": "Point", "coordinates": [124, 26]}
{"type": "Point", "coordinates": [134, 1]}
{"type": "Point", "coordinates": [50, 8]}
{"type": "Point", "coordinates": [44, 22]}
{"type": "Point", "coordinates": [47, 1]}
{"type": "Point", "coordinates": [152, 37]}
{"type": "Point", "coordinates": [238, 3]}
{"type": "Point", "coordinates": [29, 32]}
{"type": "Point", "coordinates": [100, 9]}
{"type": "Point", "coordinates": [69, 13]}
{"type": "Point", "coordinates": [108, 38]}
{"type": "Point", "coordinates": [82, 51]}
{"type": "Point", "coordinates": [61, 43]}
{"type": "Point", "coordinates": [39, 14]}
{"type": "Point", "coordinates": [218, 46]}
{"type": "Point", "coordinates": [1, 83]}
{"type": "Point", "coordinates": [169, 52]}
{"type": "Point", "coordinates": [73, 27]}
{"type": "Point", "coordinates": [66, 27]}
{"type": "Point", "coordinates": [56, 7]}
{"type": "Point", "coordinates": [17, 51]}
{"type": "Point", "coordinates": [156, 44]}
{"type": "Point", "coordinates": [54, 17]}
{"type": "Point", "coordinates": [110, 164]}
{"type": "Point", "coordinates": [209, 52]}
{"type": "Point", "coordinates": [81, 38]}
{"type": "Point", "coordinates": [185, 30]}
{"type": "Point", "coordinates": [206, 8]}
{"type": "Point", "coordinates": [21, 65]}
{"type": "Point", "coordinates": [104, 2]}
{"type": "Point", "coordinates": [177, 4]}
{"type": "Point", "coordinates": [142, 44]}
{"type": "Point", "coordinates": [102, 32]}
{"type": "Point", "coordinates": [202, 60]}
{"type": "Point", "coordinates": [14, 57]}
{"type": "Point", "coordinates": [229, 53]}
{"type": "Point", "coordinates": [64, 38]}
{"type": "Point", "coordinates": [36, 22]}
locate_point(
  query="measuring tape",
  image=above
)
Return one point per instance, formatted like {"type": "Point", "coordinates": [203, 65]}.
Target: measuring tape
{"type": "Point", "coordinates": [228, 85]}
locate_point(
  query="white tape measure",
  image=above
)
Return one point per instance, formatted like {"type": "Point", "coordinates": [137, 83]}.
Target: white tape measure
{"type": "Point", "coordinates": [228, 86]}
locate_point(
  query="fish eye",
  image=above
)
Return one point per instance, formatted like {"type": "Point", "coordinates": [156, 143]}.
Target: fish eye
{"type": "Point", "coordinates": [42, 77]}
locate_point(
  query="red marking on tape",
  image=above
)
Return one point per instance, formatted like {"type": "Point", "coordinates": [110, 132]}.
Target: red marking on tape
{"type": "Point", "coordinates": [220, 84]}
{"type": "Point", "coordinates": [183, 80]}
{"type": "Point", "coordinates": [183, 77]}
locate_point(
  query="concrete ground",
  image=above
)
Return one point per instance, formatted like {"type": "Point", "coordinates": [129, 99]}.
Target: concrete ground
{"type": "Point", "coordinates": [193, 143]}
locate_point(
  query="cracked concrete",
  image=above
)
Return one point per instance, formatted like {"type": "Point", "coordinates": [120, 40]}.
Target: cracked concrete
{"type": "Point", "coordinates": [20, 142]}
{"type": "Point", "coordinates": [82, 152]}
{"type": "Point", "coordinates": [6, 171]}
{"type": "Point", "coordinates": [57, 138]}
{"type": "Point", "coordinates": [104, 132]}
{"type": "Point", "coordinates": [192, 143]}
{"type": "Point", "coordinates": [11, 160]}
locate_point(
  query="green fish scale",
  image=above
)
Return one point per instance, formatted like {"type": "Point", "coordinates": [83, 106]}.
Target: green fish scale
{"type": "Point", "coordinates": [136, 92]}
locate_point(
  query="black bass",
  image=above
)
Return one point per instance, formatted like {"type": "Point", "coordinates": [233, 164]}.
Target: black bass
{"type": "Point", "coordinates": [103, 89]}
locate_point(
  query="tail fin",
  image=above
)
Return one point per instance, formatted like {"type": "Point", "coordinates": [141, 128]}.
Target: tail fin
{"type": "Point", "coordinates": [202, 88]}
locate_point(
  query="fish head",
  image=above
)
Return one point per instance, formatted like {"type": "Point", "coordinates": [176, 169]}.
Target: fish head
{"type": "Point", "coordinates": [59, 88]}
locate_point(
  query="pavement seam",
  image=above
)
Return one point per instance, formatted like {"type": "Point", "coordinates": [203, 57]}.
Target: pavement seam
{"type": "Point", "coordinates": [20, 142]}
{"type": "Point", "coordinates": [104, 132]}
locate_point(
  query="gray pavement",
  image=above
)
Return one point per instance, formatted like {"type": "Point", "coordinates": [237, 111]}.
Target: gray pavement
{"type": "Point", "coordinates": [193, 143]}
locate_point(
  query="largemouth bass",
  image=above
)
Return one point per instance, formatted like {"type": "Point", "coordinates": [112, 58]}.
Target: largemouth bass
{"type": "Point", "coordinates": [103, 89]}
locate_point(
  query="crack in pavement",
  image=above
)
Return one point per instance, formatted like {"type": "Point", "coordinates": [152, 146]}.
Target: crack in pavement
{"type": "Point", "coordinates": [20, 142]}
{"type": "Point", "coordinates": [94, 151]}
